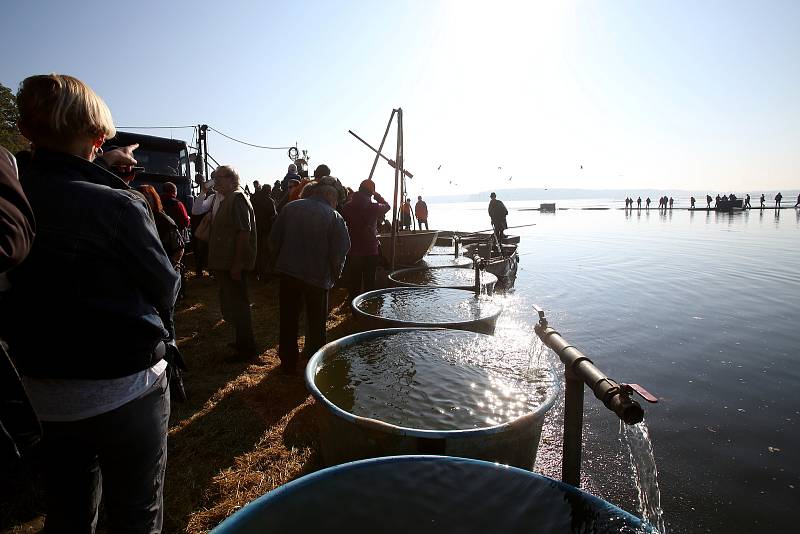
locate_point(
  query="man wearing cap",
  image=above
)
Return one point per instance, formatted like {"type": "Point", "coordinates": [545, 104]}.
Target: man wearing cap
{"type": "Point", "coordinates": [361, 216]}
{"type": "Point", "coordinates": [291, 174]}
{"type": "Point", "coordinates": [497, 213]}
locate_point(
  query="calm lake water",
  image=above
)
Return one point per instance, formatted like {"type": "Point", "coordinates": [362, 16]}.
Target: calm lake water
{"type": "Point", "coordinates": [700, 308]}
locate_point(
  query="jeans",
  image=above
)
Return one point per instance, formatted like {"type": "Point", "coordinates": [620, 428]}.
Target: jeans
{"type": "Point", "coordinates": [121, 454]}
{"type": "Point", "coordinates": [360, 271]}
{"type": "Point", "coordinates": [235, 305]}
{"type": "Point", "coordinates": [294, 293]}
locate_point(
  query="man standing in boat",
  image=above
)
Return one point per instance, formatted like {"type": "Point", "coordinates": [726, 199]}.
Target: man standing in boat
{"type": "Point", "coordinates": [498, 213]}
{"type": "Point", "coordinates": [421, 211]}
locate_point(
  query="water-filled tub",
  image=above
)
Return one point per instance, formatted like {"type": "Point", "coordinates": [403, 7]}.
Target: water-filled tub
{"type": "Point", "coordinates": [427, 391]}
{"type": "Point", "coordinates": [444, 277]}
{"type": "Point", "coordinates": [425, 306]}
{"type": "Point", "coordinates": [445, 260]}
{"type": "Point", "coordinates": [429, 494]}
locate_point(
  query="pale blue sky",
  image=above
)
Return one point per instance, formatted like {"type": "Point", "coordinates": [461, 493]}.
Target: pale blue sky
{"type": "Point", "coordinates": [678, 94]}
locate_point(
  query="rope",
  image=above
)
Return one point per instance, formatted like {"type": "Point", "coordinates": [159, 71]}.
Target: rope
{"type": "Point", "coordinates": [250, 144]}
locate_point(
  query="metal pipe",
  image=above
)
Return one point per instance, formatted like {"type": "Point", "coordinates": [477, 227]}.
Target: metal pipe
{"type": "Point", "coordinates": [579, 370]}
{"type": "Point", "coordinates": [477, 264]}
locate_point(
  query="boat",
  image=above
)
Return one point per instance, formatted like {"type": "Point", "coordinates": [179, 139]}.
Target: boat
{"type": "Point", "coordinates": [503, 264]}
{"type": "Point", "coordinates": [445, 238]}
{"type": "Point", "coordinates": [729, 205]}
{"type": "Point", "coordinates": [411, 246]}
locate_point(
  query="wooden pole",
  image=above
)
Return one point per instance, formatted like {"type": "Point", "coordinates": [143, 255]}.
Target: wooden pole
{"type": "Point", "coordinates": [380, 148]}
{"type": "Point", "coordinates": [399, 155]}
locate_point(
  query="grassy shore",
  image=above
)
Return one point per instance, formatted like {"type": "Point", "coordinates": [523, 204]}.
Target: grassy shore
{"type": "Point", "coordinates": [245, 429]}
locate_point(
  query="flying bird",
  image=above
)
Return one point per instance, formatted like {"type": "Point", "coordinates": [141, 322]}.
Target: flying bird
{"type": "Point", "coordinates": [509, 178]}
{"type": "Point", "coordinates": [581, 167]}
{"type": "Point", "coordinates": [439, 168]}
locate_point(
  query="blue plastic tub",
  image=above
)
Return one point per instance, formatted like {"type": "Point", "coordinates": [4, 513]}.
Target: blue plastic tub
{"type": "Point", "coordinates": [429, 494]}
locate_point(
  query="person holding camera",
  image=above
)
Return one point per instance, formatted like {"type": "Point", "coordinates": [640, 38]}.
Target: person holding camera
{"type": "Point", "coordinates": [86, 329]}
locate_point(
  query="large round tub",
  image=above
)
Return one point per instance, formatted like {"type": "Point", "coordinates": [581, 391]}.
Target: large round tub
{"type": "Point", "coordinates": [425, 306]}
{"type": "Point", "coordinates": [429, 494]}
{"type": "Point", "coordinates": [426, 391]}
{"type": "Point", "coordinates": [443, 277]}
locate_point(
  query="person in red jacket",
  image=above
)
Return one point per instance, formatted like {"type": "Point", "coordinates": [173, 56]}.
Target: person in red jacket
{"type": "Point", "coordinates": [362, 216]}
{"type": "Point", "coordinates": [421, 211]}
{"type": "Point", "coordinates": [174, 207]}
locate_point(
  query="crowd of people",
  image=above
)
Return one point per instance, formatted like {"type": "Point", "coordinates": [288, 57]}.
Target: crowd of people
{"type": "Point", "coordinates": [91, 271]}
{"type": "Point", "coordinates": [666, 202]}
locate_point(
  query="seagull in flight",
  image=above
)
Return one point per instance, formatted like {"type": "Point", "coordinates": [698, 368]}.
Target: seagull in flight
{"type": "Point", "coordinates": [439, 168]}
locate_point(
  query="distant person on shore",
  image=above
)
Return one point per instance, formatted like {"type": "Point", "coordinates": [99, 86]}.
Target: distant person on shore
{"type": "Point", "coordinates": [309, 242]}
{"type": "Point", "coordinates": [716, 200]}
{"type": "Point", "coordinates": [747, 201]}
{"type": "Point", "coordinates": [671, 200]}
{"type": "Point", "coordinates": [796, 204]}
{"type": "Point", "coordinates": [778, 198]}
{"type": "Point", "coordinates": [361, 216]}
{"type": "Point", "coordinates": [405, 215]}
{"type": "Point", "coordinates": [762, 199]}
{"type": "Point", "coordinates": [639, 203]}
{"type": "Point", "coordinates": [708, 201]}
{"type": "Point", "coordinates": [498, 214]}
{"type": "Point", "coordinates": [691, 202]}
{"type": "Point", "coordinates": [647, 203]}
{"type": "Point", "coordinates": [421, 211]}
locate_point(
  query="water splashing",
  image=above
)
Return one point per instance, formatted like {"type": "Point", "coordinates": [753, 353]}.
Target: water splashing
{"type": "Point", "coordinates": [645, 474]}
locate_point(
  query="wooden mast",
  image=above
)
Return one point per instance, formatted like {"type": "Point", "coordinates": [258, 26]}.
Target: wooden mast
{"type": "Point", "coordinates": [398, 165]}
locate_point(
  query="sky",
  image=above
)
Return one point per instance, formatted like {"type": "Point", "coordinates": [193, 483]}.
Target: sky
{"type": "Point", "coordinates": [619, 94]}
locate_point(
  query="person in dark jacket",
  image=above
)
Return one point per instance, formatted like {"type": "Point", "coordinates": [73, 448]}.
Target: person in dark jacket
{"type": "Point", "coordinates": [361, 216]}
{"type": "Point", "coordinates": [19, 426]}
{"type": "Point", "coordinates": [265, 212]}
{"type": "Point", "coordinates": [291, 174]}
{"type": "Point", "coordinates": [498, 213]}
{"type": "Point", "coordinates": [309, 242]}
{"type": "Point", "coordinates": [96, 282]}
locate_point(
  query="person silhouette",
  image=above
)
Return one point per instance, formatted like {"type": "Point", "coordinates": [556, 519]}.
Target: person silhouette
{"type": "Point", "coordinates": [747, 201]}
{"type": "Point", "coordinates": [639, 203]}
{"type": "Point", "coordinates": [691, 202]}
{"type": "Point", "coordinates": [647, 203]}
{"type": "Point", "coordinates": [762, 200]}
{"type": "Point", "coordinates": [778, 198]}
{"type": "Point", "coordinates": [708, 201]}
{"type": "Point", "coordinates": [798, 201]}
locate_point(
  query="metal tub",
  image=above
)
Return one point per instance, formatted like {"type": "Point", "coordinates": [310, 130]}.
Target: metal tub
{"type": "Point", "coordinates": [488, 280]}
{"type": "Point", "coordinates": [483, 323]}
{"type": "Point", "coordinates": [428, 494]}
{"type": "Point", "coordinates": [346, 437]}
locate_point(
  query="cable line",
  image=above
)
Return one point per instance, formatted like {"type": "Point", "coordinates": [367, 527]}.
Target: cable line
{"type": "Point", "coordinates": [250, 144]}
{"type": "Point", "coordinates": [154, 127]}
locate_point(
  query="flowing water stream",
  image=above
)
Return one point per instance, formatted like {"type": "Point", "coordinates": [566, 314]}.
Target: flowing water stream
{"type": "Point", "coordinates": [645, 474]}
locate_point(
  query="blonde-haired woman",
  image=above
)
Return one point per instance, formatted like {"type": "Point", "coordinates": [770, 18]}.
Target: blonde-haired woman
{"type": "Point", "coordinates": [87, 332]}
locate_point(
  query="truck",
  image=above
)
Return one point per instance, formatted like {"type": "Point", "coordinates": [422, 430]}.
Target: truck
{"type": "Point", "coordinates": [164, 160]}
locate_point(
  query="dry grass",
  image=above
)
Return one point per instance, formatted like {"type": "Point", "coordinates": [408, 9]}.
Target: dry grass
{"type": "Point", "coordinates": [245, 429]}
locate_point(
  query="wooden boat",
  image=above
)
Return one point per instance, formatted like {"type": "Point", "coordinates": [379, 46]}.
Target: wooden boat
{"type": "Point", "coordinates": [502, 265]}
{"type": "Point", "coordinates": [411, 246]}
{"type": "Point", "coordinates": [729, 205]}
{"type": "Point", "coordinates": [445, 238]}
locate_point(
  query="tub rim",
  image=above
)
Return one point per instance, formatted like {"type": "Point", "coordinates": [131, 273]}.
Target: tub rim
{"type": "Point", "coordinates": [382, 426]}
{"type": "Point", "coordinates": [284, 491]}
{"type": "Point", "coordinates": [471, 287]}
{"type": "Point", "coordinates": [458, 325]}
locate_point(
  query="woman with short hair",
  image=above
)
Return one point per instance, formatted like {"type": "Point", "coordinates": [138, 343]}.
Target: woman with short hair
{"type": "Point", "coordinates": [86, 330]}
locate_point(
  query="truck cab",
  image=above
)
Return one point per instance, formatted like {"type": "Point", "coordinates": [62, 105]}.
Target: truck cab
{"type": "Point", "coordinates": [164, 160]}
